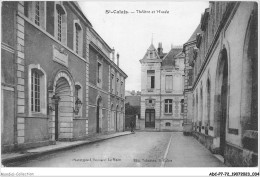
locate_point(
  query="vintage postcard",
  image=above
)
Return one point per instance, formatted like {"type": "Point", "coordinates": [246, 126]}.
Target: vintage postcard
{"type": "Point", "coordinates": [92, 88]}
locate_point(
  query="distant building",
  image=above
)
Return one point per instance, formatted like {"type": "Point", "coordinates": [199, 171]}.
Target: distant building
{"type": "Point", "coordinates": [106, 88]}
{"type": "Point", "coordinates": [221, 90]}
{"type": "Point", "coordinates": [132, 93]}
{"type": "Point", "coordinates": [162, 85]}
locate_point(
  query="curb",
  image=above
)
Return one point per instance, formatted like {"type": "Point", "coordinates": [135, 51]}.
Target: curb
{"type": "Point", "coordinates": [33, 155]}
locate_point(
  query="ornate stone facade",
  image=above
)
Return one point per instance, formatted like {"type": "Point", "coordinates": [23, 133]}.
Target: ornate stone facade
{"type": "Point", "coordinates": [162, 84]}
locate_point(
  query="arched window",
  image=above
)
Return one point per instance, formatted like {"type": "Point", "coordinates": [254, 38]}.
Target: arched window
{"type": "Point", "coordinates": [78, 38]}
{"type": "Point", "coordinates": [61, 23]}
{"type": "Point", "coordinates": [112, 116]}
{"type": "Point", "coordinates": [37, 89]}
{"type": "Point", "coordinates": [197, 111]}
{"type": "Point", "coordinates": [35, 11]}
{"type": "Point", "coordinates": [208, 102]}
{"type": "Point", "coordinates": [201, 108]}
{"type": "Point", "coordinates": [113, 83]}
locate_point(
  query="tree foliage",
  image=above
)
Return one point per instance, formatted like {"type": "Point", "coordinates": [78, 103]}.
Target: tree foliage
{"type": "Point", "coordinates": [131, 110]}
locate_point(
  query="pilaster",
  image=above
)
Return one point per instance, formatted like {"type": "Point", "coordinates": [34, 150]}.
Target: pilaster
{"type": "Point", "coordinates": [20, 60]}
{"type": "Point", "coordinates": [87, 76]}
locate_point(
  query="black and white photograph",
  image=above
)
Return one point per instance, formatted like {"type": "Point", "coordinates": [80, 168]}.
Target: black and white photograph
{"type": "Point", "coordinates": [129, 88]}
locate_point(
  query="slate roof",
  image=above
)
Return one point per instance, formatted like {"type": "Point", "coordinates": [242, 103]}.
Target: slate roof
{"type": "Point", "coordinates": [170, 57]}
{"type": "Point", "coordinates": [151, 48]}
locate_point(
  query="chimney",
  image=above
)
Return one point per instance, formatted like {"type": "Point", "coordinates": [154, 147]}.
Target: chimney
{"type": "Point", "coordinates": [117, 56]}
{"type": "Point", "coordinates": [113, 54]}
{"type": "Point", "coordinates": [160, 49]}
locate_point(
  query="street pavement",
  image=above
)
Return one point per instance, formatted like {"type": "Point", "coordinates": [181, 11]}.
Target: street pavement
{"type": "Point", "coordinates": [142, 149]}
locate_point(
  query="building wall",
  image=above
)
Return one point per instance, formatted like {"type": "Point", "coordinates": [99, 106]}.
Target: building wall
{"type": "Point", "coordinates": [8, 77]}
{"type": "Point", "coordinates": [36, 54]}
{"type": "Point", "coordinates": [97, 52]}
{"type": "Point", "coordinates": [231, 40]}
{"type": "Point", "coordinates": [57, 63]}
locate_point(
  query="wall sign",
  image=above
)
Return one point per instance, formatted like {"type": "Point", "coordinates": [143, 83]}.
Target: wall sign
{"type": "Point", "coordinates": [60, 56]}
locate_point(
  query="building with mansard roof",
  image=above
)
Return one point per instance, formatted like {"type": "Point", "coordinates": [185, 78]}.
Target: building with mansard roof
{"type": "Point", "coordinates": [162, 84]}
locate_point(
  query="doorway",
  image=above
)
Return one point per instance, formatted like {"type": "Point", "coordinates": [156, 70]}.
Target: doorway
{"type": "Point", "coordinates": [149, 118]}
{"type": "Point", "coordinates": [63, 109]}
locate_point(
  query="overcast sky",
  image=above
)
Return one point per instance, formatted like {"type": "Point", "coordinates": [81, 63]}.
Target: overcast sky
{"type": "Point", "coordinates": [131, 34]}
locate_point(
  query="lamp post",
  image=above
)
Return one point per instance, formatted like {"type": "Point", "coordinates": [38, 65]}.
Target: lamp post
{"type": "Point", "coordinates": [78, 105]}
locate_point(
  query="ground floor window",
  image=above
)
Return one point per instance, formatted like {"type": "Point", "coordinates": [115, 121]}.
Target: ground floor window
{"type": "Point", "coordinates": [168, 106]}
{"type": "Point", "coordinates": [37, 89]}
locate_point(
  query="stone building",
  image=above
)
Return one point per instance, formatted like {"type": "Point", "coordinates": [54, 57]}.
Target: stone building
{"type": "Point", "coordinates": [221, 82]}
{"type": "Point", "coordinates": [51, 58]}
{"type": "Point", "coordinates": [106, 88]}
{"type": "Point", "coordinates": [162, 84]}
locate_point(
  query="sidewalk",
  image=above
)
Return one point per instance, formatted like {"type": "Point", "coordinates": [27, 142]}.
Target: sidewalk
{"type": "Point", "coordinates": [31, 153]}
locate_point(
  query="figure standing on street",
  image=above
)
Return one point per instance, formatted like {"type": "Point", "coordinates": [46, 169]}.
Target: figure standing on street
{"type": "Point", "coordinates": [132, 125]}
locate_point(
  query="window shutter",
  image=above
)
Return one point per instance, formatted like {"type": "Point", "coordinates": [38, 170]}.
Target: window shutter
{"type": "Point", "coordinates": [64, 29]}
{"type": "Point", "coordinates": [148, 82]}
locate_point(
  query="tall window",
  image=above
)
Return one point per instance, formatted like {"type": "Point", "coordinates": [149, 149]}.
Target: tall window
{"type": "Point", "coordinates": [37, 13]}
{"type": "Point", "coordinates": [168, 106]}
{"type": "Point", "coordinates": [122, 90]}
{"type": "Point", "coordinates": [201, 104]}
{"type": "Point", "coordinates": [78, 38]}
{"type": "Point", "coordinates": [60, 20]}
{"type": "Point", "coordinates": [150, 79]}
{"type": "Point", "coordinates": [59, 24]}
{"type": "Point", "coordinates": [117, 84]}
{"type": "Point", "coordinates": [35, 91]}
{"type": "Point", "coordinates": [113, 83]}
{"type": "Point", "coordinates": [99, 73]}
{"type": "Point", "coordinates": [168, 82]}
{"type": "Point", "coordinates": [182, 105]}
{"type": "Point", "coordinates": [208, 102]}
